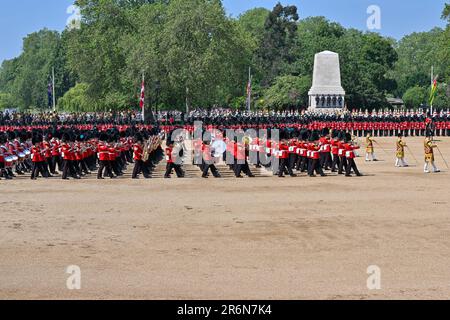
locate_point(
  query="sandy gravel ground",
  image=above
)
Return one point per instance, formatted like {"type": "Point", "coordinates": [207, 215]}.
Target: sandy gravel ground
{"type": "Point", "coordinates": [265, 238]}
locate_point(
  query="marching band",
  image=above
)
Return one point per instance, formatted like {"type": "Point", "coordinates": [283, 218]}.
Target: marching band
{"type": "Point", "coordinates": [307, 143]}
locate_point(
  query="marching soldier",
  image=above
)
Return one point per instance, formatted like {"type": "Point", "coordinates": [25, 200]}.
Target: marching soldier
{"type": "Point", "coordinates": [400, 156]}
{"type": "Point", "coordinates": [370, 152]}
{"type": "Point", "coordinates": [429, 145]}
{"type": "Point", "coordinates": [350, 156]}
{"type": "Point", "coordinates": [38, 158]}
{"type": "Point", "coordinates": [138, 151]}
{"type": "Point", "coordinates": [208, 162]}
{"type": "Point", "coordinates": [241, 151]}
{"type": "Point", "coordinates": [314, 156]}
{"type": "Point", "coordinates": [172, 163]}
{"type": "Point", "coordinates": [335, 151]}
{"type": "Point", "coordinates": [341, 153]}
{"type": "Point", "coordinates": [103, 158]}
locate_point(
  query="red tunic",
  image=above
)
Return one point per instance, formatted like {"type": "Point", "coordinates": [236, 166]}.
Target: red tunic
{"type": "Point", "coordinates": [36, 155]}
{"type": "Point", "coordinates": [137, 152]}
{"type": "Point", "coordinates": [169, 157]}
{"type": "Point", "coordinates": [103, 154]}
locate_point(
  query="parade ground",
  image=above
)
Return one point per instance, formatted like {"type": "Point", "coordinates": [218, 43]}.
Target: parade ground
{"type": "Point", "coordinates": [261, 238]}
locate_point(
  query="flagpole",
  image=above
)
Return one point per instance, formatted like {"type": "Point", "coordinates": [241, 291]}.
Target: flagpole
{"type": "Point", "coordinates": [143, 104]}
{"type": "Point", "coordinates": [249, 95]}
{"type": "Point", "coordinates": [53, 89]}
{"type": "Point", "coordinates": [432, 82]}
{"type": "Point", "coordinates": [187, 100]}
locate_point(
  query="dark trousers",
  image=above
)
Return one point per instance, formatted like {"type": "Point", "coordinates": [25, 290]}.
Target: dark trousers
{"type": "Point", "coordinates": [172, 166]}
{"type": "Point", "coordinates": [314, 166]}
{"type": "Point", "coordinates": [351, 165]}
{"type": "Point", "coordinates": [335, 164]}
{"type": "Point", "coordinates": [207, 166]}
{"type": "Point", "coordinates": [139, 166]}
{"type": "Point", "coordinates": [68, 167]}
{"type": "Point", "coordinates": [325, 160]}
{"type": "Point", "coordinates": [302, 164]}
{"type": "Point", "coordinates": [292, 160]}
{"type": "Point", "coordinates": [38, 167]}
{"type": "Point", "coordinates": [284, 167]}
{"type": "Point", "coordinates": [243, 167]}
{"type": "Point", "coordinates": [55, 160]}
{"type": "Point", "coordinates": [342, 164]}
{"type": "Point", "coordinates": [104, 165]}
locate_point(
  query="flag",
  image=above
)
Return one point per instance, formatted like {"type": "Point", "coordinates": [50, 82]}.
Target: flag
{"type": "Point", "coordinates": [142, 97]}
{"type": "Point", "coordinates": [433, 91]}
{"type": "Point", "coordinates": [50, 94]}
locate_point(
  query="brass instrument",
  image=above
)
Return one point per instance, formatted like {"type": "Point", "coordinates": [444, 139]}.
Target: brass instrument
{"type": "Point", "coordinates": [150, 146]}
{"type": "Point", "coordinates": [146, 153]}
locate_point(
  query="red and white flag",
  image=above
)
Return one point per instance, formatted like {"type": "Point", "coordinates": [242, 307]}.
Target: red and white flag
{"type": "Point", "coordinates": [142, 98]}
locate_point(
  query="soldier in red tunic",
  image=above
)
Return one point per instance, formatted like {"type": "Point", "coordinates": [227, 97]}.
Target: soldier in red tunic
{"type": "Point", "coordinates": [335, 151]}
{"type": "Point", "coordinates": [172, 162]}
{"type": "Point", "coordinates": [314, 156]}
{"type": "Point", "coordinates": [350, 156]}
{"type": "Point", "coordinates": [38, 158]}
{"type": "Point", "coordinates": [325, 150]}
{"type": "Point", "coordinates": [241, 151]}
{"type": "Point", "coordinates": [208, 162]}
{"type": "Point", "coordinates": [103, 158]}
{"type": "Point", "coordinates": [56, 156]}
{"type": "Point", "coordinates": [138, 152]}
{"type": "Point", "coordinates": [67, 157]}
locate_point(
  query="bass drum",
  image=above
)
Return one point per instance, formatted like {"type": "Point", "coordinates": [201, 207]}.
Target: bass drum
{"type": "Point", "coordinates": [219, 148]}
{"type": "Point", "coordinates": [9, 161]}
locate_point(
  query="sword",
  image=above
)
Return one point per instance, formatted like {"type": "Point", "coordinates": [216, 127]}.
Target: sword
{"type": "Point", "coordinates": [382, 148]}
{"type": "Point", "coordinates": [412, 154]}
{"type": "Point", "coordinates": [442, 157]}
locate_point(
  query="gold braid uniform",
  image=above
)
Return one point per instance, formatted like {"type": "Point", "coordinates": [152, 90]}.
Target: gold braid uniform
{"type": "Point", "coordinates": [369, 143]}
{"type": "Point", "coordinates": [400, 148]}
{"type": "Point", "coordinates": [428, 147]}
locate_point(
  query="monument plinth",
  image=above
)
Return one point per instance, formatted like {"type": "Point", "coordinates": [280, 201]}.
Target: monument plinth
{"type": "Point", "coordinates": [326, 92]}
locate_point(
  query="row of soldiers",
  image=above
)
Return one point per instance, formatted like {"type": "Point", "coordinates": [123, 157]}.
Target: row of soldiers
{"type": "Point", "coordinates": [389, 123]}
{"type": "Point", "coordinates": [307, 151]}
{"type": "Point", "coordinates": [78, 153]}
{"type": "Point", "coordinates": [400, 147]}
{"type": "Point", "coordinates": [73, 154]}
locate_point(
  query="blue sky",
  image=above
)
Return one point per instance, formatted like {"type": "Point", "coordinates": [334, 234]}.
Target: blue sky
{"type": "Point", "coordinates": [398, 17]}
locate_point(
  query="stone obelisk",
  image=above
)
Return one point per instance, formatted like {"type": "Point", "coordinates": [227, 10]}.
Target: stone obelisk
{"type": "Point", "coordinates": [326, 92]}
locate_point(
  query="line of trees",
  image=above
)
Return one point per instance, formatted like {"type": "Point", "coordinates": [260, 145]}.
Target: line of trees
{"type": "Point", "coordinates": [191, 50]}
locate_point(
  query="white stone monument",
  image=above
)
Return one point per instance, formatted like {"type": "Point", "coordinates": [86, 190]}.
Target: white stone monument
{"type": "Point", "coordinates": [326, 92]}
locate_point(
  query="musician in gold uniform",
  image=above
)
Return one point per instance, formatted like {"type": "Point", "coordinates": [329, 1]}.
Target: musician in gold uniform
{"type": "Point", "coordinates": [429, 145]}
{"type": "Point", "coordinates": [370, 151]}
{"type": "Point", "coordinates": [400, 155]}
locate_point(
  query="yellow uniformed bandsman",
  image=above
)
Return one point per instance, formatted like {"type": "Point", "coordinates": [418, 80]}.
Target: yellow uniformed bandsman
{"type": "Point", "coordinates": [429, 145]}
{"type": "Point", "coordinates": [400, 161]}
{"type": "Point", "coordinates": [370, 151]}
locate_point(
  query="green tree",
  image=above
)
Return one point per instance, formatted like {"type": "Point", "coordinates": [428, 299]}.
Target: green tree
{"type": "Point", "coordinates": [414, 97]}
{"type": "Point", "coordinates": [253, 22]}
{"type": "Point", "coordinates": [94, 52]}
{"type": "Point", "coordinates": [287, 92]}
{"type": "Point", "coordinates": [417, 53]}
{"type": "Point", "coordinates": [208, 58]}
{"type": "Point", "coordinates": [6, 101]}
{"type": "Point", "coordinates": [77, 100]}
{"type": "Point", "coordinates": [277, 54]}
